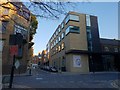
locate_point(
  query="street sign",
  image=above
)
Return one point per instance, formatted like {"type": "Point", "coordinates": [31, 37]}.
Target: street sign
{"type": "Point", "coordinates": [17, 64]}
{"type": "Point", "coordinates": [13, 50]}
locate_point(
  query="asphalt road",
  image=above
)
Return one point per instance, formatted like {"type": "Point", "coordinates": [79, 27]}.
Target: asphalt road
{"type": "Point", "coordinates": [44, 79]}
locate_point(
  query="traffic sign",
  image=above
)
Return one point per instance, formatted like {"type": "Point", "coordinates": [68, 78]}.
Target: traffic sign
{"type": "Point", "coordinates": [13, 50]}
{"type": "Point", "coordinates": [17, 64]}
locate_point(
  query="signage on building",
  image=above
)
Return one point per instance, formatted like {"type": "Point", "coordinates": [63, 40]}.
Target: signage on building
{"type": "Point", "coordinates": [13, 50]}
{"type": "Point", "coordinates": [76, 61]}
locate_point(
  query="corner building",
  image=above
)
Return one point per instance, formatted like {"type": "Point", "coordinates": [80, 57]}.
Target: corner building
{"type": "Point", "coordinates": [75, 45]}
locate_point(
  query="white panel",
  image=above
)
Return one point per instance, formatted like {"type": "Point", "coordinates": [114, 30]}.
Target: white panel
{"type": "Point", "coordinates": [76, 61]}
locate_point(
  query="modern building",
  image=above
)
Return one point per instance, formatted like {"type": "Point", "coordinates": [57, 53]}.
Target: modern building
{"type": "Point", "coordinates": [14, 18]}
{"type": "Point", "coordinates": [76, 46]}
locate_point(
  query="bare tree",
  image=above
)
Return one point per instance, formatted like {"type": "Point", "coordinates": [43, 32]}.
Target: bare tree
{"type": "Point", "coordinates": [44, 9]}
{"type": "Point", "coordinates": [49, 9]}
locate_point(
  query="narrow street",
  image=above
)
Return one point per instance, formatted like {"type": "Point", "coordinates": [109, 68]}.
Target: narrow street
{"type": "Point", "coordinates": [44, 79]}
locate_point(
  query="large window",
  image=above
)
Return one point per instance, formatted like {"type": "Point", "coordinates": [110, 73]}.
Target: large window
{"type": "Point", "coordinates": [72, 17]}
{"type": "Point", "coordinates": [72, 29]}
{"type": "Point", "coordinates": [88, 20]}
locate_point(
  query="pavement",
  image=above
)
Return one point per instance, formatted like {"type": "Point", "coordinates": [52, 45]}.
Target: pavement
{"type": "Point", "coordinates": [44, 79]}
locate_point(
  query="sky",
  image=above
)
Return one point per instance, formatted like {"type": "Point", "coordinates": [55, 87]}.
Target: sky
{"type": "Point", "coordinates": [107, 13]}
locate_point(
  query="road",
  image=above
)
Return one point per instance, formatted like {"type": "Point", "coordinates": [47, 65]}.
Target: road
{"type": "Point", "coordinates": [44, 79]}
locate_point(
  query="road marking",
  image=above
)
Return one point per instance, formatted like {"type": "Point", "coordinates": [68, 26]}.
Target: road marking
{"type": "Point", "coordinates": [39, 78]}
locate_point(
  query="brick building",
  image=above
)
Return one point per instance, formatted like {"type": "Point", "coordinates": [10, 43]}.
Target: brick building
{"type": "Point", "coordinates": [75, 46]}
{"type": "Point", "coordinates": [14, 18]}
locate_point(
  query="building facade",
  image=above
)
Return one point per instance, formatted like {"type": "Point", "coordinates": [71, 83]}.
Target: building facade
{"type": "Point", "coordinates": [75, 45]}
{"type": "Point", "coordinates": [15, 18]}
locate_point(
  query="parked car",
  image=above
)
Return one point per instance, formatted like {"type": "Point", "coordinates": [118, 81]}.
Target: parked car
{"type": "Point", "coordinates": [34, 66]}
{"type": "Point", "coordinates": [52, 69]}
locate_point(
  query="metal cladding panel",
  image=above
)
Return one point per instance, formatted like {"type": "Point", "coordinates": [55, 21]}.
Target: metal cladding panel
{"type": "Point", "coordinates": [95, 34]}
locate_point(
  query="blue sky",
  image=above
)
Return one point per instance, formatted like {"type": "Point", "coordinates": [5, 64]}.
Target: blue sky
{"type": "Point", "coordinates": [107, 13]}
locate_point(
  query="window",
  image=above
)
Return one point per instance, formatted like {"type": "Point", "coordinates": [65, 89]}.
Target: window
{"type": "Point", "coordinates": [63, 35]}
{"type": "Point", "coordinates": [72, 17]}
{"type": "Point", "coordinates": [62, 46]}
{"type": "Point", "coordinates": [59, 29]}
{"type": "Point", "coordinates": [5, 11]}
{"type": "Point", "coordinates": [1, 45]}
{"type": "Point", "coordinates": [72, 29]}
{"type": "Point", "coordinates": [22, 30]}
{"type": "Point", "coordinates": [59, 39]}
{"type": "Point", "coordinates": [59, 48]}
{"type": "Point", "coordinates": [54, 43]}
{"type": "Point", "coordinates": [56, 49]}
{"type": "Point", "coordinates": [3, 24]}
{"type": "Point", "coordinates": [88, 20]}
{"type": "Point", "coordinates": [62, 25]}
{"type": "Point", "coordinates": [56, 32]}
{"type": "Point", "coordinates": [56, 40]}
